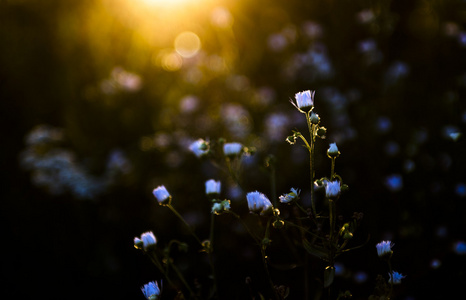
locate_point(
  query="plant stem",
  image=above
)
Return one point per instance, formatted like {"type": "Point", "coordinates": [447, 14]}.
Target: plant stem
{"type": "Point", "coordinates": [264, 260]}
{"type": "Point", "coordinates": [181, 277]}
{"type": "Point", "coordinates": [255, 238]}
{"type": "Point", "coordinates": [185, 223]}
{"type": "Point", "coordinates": [153, 257]}
{"type": "Point", "coordinates": [211, 259]}
{"type": "Point", "coordinates": [311, 154]}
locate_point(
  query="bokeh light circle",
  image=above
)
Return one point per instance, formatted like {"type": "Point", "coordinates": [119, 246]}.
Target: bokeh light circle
{"type": "Point", "coordinates": [187, 44]}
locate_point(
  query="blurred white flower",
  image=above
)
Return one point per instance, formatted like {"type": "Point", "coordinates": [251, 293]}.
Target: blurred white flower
{"type": "Point", "coordinates": [199, 148]}
{"type": "Point", "coordinates": [212, 187]}
{"type": "Point", "coordinates": [332, 189]}
{"type": "Point", "coordinates": [232, 149]}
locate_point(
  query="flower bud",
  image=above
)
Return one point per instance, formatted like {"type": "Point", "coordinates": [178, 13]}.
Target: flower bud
{"type": "Point", "coordinates": [212, 187]}
{"type": "Point", "coordinates": [146, 241]}
{"type": "Point", "coordinates": [151, 290]}
{"type": "Point", "coordinates": [162, 195]}
{"type": "Point", "coordinates": [332, 151]}
{"type": "Point", "coordinates": [384, 249]}
{"type": "Point", "coordinates": [315, 119]}
{"type": "Point", "coordinates": [138, 244]}
{"type": "Point", "coordinates": [395, 277]}
{"type": "Point", "coordinates": [199, 148]}
{"type": "Point", "coordinates": [287, 198]}
{"type": "Point", "coordinates": [278, 224]}
{"type": "Point", "coordinates": [232, 149]}
{"type": "Point", "coordinates": [321, 132]}
{"type": "Point", "coordinates": [332, 189]}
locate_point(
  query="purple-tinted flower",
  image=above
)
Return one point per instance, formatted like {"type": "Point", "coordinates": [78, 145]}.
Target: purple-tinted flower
{"type": "Point", "coordinates": [332, 189]}
{"type": "Point", "coordinates": [212, 187]}
{"type": "Point", "coordinates": [304, 100]}
{"type": "Point", "coordinates": [258, 203]}
{"type": "Point", "coordinates": [232, 149]}
{"type": "Point", "coordinates": [199, 148]}
{"type": "Point", "coordinates": [146, 241]}
{"type": "Point", "coordinates": [395, 277]}
{"type": "Point", "coordinates": [333, 150]}
{"type": "Point", "coordinates": [384, 248]}
{"type": "Point", "coordinates": [162, 195]}
{"type": "Point", "coordinates": [151, 290]}
{"type": "Point", "coordinates": [287, 198]}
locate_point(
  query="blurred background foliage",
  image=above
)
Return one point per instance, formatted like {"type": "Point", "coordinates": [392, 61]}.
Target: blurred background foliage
{"type": "Point", "coordinates": [101, 99]}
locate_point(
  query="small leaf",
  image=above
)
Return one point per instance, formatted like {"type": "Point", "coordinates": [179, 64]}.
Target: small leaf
{"type": "Point", "coordinates": [329, 275]}
{"type": "Point", "coordinates": [314, 251]}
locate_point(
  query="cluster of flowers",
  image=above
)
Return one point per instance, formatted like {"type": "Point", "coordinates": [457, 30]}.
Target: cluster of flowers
{"type": "Point", "coordinates": [384, 250]}
{"type": "Point", "coordinates": [259, 204]}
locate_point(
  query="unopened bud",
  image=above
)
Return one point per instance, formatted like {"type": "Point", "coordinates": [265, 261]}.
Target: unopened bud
{"type": "Point", "coordinates": [315, 119]}
{"type": "Point", "coordinates": [332, 151]}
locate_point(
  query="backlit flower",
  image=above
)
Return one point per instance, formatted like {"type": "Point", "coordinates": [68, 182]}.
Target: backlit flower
{"type": "Point", "coordinates": [384, 248]}
{"type": "Point", "coordinates": [151, 290]}
{"type": "Point", "coordinates": [162, 195]}
{"type": "Point", "coordinates": [146, 241]}
{"type": "Point", "coordinates": [199, 148]}
{"type": "Point", "coordinates": [232, 149]}
{"type": "Point", "coordinates": [333, 150]}
{"type": "Point", "coordinates": [304, 100]}
{"type": "Point", "coordinates": [212, 187]}
{"type": "Point", "coordinates": [332, 189]}
{"type": "Point", "coordinates": [287, 198]}
{"type": "Point", "coordinates": [395, 277]}
{"type": "Point", "coordinates": [258, 203]}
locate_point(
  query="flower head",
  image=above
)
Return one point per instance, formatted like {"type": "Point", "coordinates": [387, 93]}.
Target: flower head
{"type": "Point", "coordinates": [332, 151]}
{"type": "Point", "coordinates": [384, 248]}
{"type": "Point", "coordinates": [212, 187]}
{"type": "Point", "coordinates": [162, 195]}
{"type": "Point", "coordinates": [199, 148]}
{"type": "Point", "coordinates": [146, 241]}
{"type": "Point", "coordinates": [287, 198]}
{"type": "Point", "coordinates": [259, 203]}
{"type": "Point", "coordinates": [332, 189]}
{"type": "Point", "coordinates": [304, 101]}
{"type": "Point", "coordinates": [220, 207]}
{"type": "Point", "coordinates": [151, 290]}
{"type": "Point", "coordinates": [232, 149]}
{"type": "Point", "coordinates": [395, 277]}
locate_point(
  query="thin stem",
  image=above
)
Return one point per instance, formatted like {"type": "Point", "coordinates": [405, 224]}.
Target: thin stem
{"type": "Point", "coordinates": [211, 259]}
{"type": "Point", "coordinates": [185, 223]}
{"type": "Point", "coordinates": [390, 278]}
{"type": "Point", "coordinates": [255, 238]}
{"type": "Point", "coordinates": [311, 154]}
{"type": "Point", "coordinates": [153, 257]}
{"type": "Point", "coordinates": [331, 207]}
{"type": "Point", "coordinates": [181, 277]}
{"type": "Point", "coordinates": [264, 260]}
{"type": "Point", "coordinates": [332, 173]}
{"type": "Point", "coordinates": [273, 184]}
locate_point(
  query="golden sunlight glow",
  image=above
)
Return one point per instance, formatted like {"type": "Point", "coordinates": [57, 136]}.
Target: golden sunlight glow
{"type": "Point", "coordinates": [166, 2]}
{"type": "Point", "coordinates": [187, 44]}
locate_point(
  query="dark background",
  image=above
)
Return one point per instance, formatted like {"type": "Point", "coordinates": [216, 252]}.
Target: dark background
{"type": "Point", "coordinates": [390, 83]}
